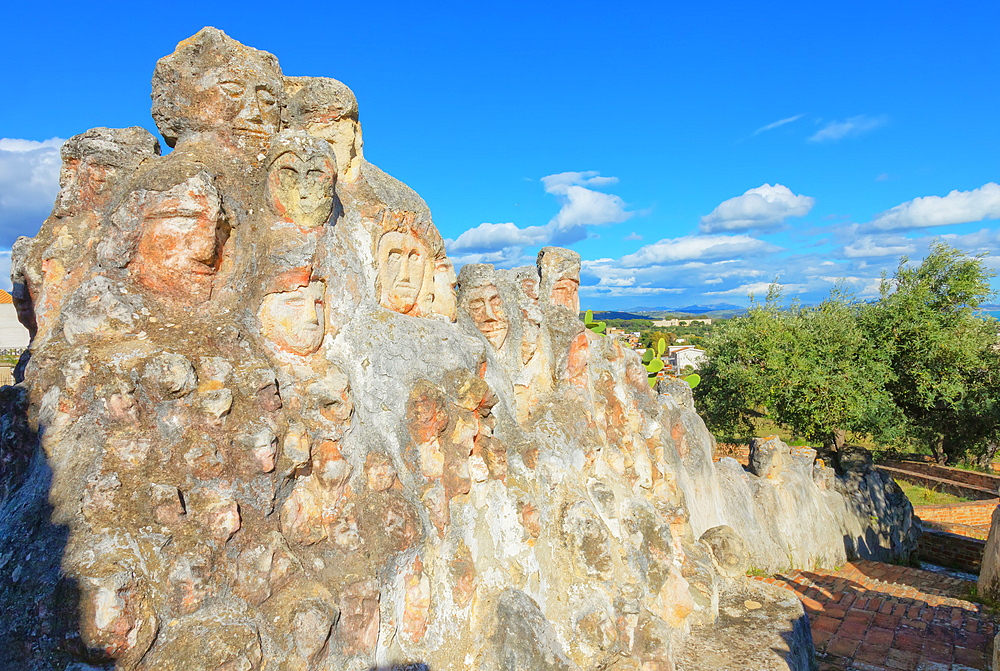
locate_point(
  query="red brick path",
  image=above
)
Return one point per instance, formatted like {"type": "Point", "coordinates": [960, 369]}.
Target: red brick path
{"type": "Point", "coordinates": [870, 616]}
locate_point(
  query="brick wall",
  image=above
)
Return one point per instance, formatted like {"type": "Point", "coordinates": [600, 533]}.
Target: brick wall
{"type": "Point", "coordinates": [901, 471]}
{"type": "Point", "coordinates": [947, 549]}
{"type": "Point", "coordinates": [973, 478]}
{"type": "Point", "coordinates": [974, 513]}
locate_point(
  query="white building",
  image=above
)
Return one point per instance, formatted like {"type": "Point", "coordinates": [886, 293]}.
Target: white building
{"type": "Point", "coordinates": [12, 334]}
{"type": "Point", "coordinates": [679, 356]}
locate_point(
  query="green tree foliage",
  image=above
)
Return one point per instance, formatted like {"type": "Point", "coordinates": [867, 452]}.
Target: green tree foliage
{"type": "Point", "coordinates": [945, 363]}
{"type": "Point", "coordinates": [810, 369]}
{"type": "Point", "coordinates": [919, 363]}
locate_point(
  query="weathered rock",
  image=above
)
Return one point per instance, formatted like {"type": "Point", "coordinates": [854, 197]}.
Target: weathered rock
{"type": "Point", "coordinates": [772, 618]}
{"type": "Point", "coordinates": [264, 425]}
{"type": "Point", "coordinates": [989, 572]}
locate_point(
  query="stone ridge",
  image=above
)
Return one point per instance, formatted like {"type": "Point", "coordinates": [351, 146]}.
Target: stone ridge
{"type": "Point", "coordinates": [262, 424]}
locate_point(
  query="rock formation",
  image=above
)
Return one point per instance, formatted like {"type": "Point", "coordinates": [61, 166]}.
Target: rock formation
{"type": "Point", "coordinates": [264, 426]}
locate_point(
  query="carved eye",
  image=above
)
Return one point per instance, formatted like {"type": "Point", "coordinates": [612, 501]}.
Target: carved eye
{"type": "Point", "coordinates": [477, 304]}
{"type": "Point", "coordinates": [315, 175]}
{"type": "Point", "coordinates": [414, 256]}
{"type": "Point", "coordinates": [232, 89]}
{"type": "Point", "coordinates": [288, 176]}
{"type": "Point", "coordinates": [265, 97]}
{"type": "Point", "coordinates": [495, 303]}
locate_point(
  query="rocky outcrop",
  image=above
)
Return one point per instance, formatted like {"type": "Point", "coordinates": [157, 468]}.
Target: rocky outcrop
{"type": "Point", "coordinates": [263, 425]}
{"type": "Point", "coordinates": [989, 573]}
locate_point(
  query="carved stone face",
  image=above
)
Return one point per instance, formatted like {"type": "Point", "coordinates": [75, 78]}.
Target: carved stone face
{"type": "Point", "coordinates": [183, 231]}
{"type": "Point", "coordinates": [301, 190]}
{"type": "Point", "coordinates": [82, 186]}
{"type": "Point", "coordinates": [565, 292]}
{"type": "Point", "coordinates": [402, 263]}
{"type": "Point", "coordinates": [241, 101]}
{"type": "Point", "coordinates": [293, 320]}
{"type": "Point", "coordinates": [344, 135]}
{"type": "Point", "coordinates": [444, 288]}
{"type": "Point", "coordinates": [486, 309]}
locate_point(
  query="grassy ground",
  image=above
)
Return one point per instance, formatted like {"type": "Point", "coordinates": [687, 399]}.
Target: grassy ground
{"type": "Point", "coordinates": [921, 496]}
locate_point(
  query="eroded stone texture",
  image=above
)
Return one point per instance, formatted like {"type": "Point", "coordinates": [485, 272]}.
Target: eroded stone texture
{"type": "Point", "coordinates": [259, 429]}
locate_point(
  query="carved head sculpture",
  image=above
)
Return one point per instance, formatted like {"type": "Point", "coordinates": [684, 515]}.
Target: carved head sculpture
{"type": "Point", "coordinates": [91, 162]}
{"type": "Point", "coordinates": [402, 263]}
{"type": "Point", "coordinates": [291, 315]}
{"type": "Point", "coordinates": [183, 230]}
{"type": "Point", "coordinates": [301, 176]}
{"type": "Point", "coordinates": [559, 269]}
{"type": "Point", "coordinates": [214, 84]}
{"type": "Point", "coordinates": [325, 108]}
{"type": "Point", "coordinates": [445, 280]}
{"type": "Point", "coordinates": [478, 295]}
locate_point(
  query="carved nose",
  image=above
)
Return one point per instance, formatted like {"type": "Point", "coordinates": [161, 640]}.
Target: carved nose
{"type": "Point", "coordinates": [309, 313]}
{"type": "Point", "coordinates": [491, 316]}
{"type": "Point", "coordinates": [251, 111]}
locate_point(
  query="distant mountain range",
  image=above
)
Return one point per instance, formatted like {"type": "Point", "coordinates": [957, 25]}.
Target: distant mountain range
{"type": "Point", "coordinates": [716, 310]}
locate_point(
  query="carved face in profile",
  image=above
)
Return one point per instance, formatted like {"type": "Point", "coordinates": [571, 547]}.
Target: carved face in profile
{"type": "Point", "coordinates": [444, 288]}
{"type": "Point", "coordinates": [183, 232]}
{"type": "Point", "coordinates": [565, 292]}
{"type": "Point", "coordinates": [293, 320]}
{"type": "Point", "coordinates": [241, 100]}
{"type": "Point", "coordinates": [213, 84]}
{"type": "Point", "coordinates": [486, 310]}
{"type": "Point", "coordinates": [402, 263]}
{"type": "Point", "coordinates": [82, 185]}
{"type": "Point", "coordinates": [300, 190]}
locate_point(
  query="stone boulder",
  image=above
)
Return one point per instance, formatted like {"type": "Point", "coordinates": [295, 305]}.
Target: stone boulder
{"type": "Point", "coordinates": [989, 573]}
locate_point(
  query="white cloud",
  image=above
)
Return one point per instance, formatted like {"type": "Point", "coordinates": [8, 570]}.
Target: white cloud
{"type": "Point", "coordinates": [765, 209]}
{"type": "Point", "coordinates": [486, 237]}
{"type": "Point", "coordinates": [632, 236]}
{"type": "Point", "coordinates": [958, 207]}
{"type": "Point", "coordinates": [874, 246]}
{"type": "Point", "coordinates": [691, 247]}
{"type": "Point", "coordinates": [855, 125]}
{"type": "Point", "coordinates": [759, 289]}
{"type": "Point", "coordinates": [29, 181]}
{"type": "Point", "coordinates": [580, 206]}
{"type": "Point", "coordinates": [776, 124]}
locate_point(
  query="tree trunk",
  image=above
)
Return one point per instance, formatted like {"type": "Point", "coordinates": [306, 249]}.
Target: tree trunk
{"type": "Point", "coordinates": [986, 458]}
{"type": "Point", "coordinates": [939, 453]}
{"type": "Point", "coordinates": [839, 436]}
{"type": "Point", "coordinates": [834, 442]}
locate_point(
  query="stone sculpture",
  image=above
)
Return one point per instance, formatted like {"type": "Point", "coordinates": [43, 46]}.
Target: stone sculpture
{"type": "Point", "coordinates": [479, 296]}
{"type": "Point", "coordinates": [402, 266]}
{"type": "Point", "coordinates": [301, 176]}
{"type": "Point", "coordinates": [291, 315]}
{"type": "Point", "coordinates": [258, 429]}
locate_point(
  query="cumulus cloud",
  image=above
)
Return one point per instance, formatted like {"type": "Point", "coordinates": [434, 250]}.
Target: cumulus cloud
{"type": "Point", "coordinates": [29, 181]}
{"type": "Point", "coordinates": [958, 207]}
{"type": "Point", "coordinates": [580, 206]}
{"type": "Point", "coordinates": [855, 125]}
{"type": "Point", "coordinates": [778, 123]}
{"type": "Point", "coordinates": [874, 246]}
{"type": "Point", "coordinates": [692, 247]}
{"type": "Point", "coordinates": [764, 209]}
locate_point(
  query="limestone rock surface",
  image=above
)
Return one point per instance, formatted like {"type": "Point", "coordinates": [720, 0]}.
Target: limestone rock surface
{"type": "Point", "coordinates": [262, 424]}
{"type": "Point", "coordinates": [989, 572]}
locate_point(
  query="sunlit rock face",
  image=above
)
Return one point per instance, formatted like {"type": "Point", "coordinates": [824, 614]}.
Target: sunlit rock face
{"type": "Point", "coordinates": [263, 425]}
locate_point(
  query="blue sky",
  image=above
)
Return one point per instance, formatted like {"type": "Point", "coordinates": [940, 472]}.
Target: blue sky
{"type": "Point", "coordinates": [691, 154]}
